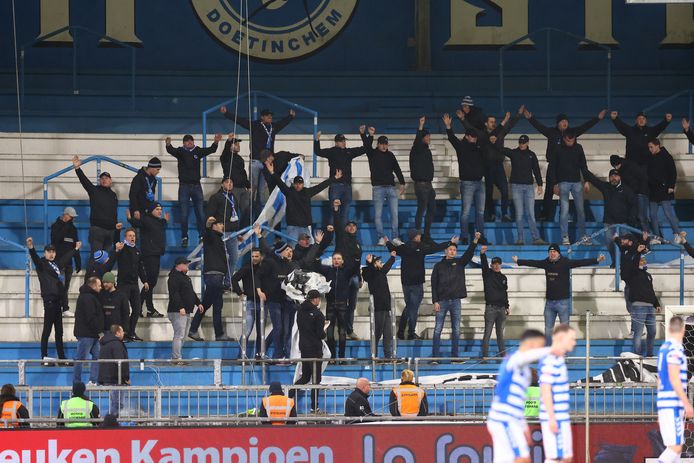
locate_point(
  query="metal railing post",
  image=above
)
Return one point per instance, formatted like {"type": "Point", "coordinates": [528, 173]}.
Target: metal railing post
{"type": "Point", "coordinates": [27, 285]}
{"type": "Point", "coordinates": [262, 329]}
{"type": "Point", "coordinates": [21, 373]}
{"type": "Point", "coordinates": [160, 184]}
{"type": "Point", "coordinates": [617, 262]}
{"type": "Point", "coordinates": [372, 325]}
{"type": "Point", "coordinates": [587, 388]}
{"type": "Point", "coordinates": [244, 341]}
{"type": "Point", "coordinates": [315, 134]}
{"type": "Point", "coordinates": [681, 276]}
{"type": "Point", "coordinates": [75, 91]}
{"type": "Point", "coordinates": [120, 373]}
{"type": "Point", "coordinates": [204, 143]}
{"type": "Point", "coordinates": [393, 332]}
{"type": "Point", "coordinates": [157, 403]}
{"type": "Point", "coordinates": [45, 211]}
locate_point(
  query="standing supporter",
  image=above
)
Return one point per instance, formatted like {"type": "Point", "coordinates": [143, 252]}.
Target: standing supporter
{"type": "Point", "coordinates": [277, 407]}
{"type": "Point", "coordinates": [113, 348]}
{"type": "Point", "coordinates": [422, 174]}
{"type": "Point", "coordinates": [248, 275]}
{"type": "Point", "coordinates": [340, 158]}
{"type": "Point", "coordinates": [114, 302]}
{"type": "Point", "coordinates": [384, 168]}
{"type": "Point", "coordinates": [234, 168]}
{"type": "Point", "coordinates": [143, 188]}
{"type": "Point", "coordinates": [223, 206]}
{"type": "Point", "coordinates": [153, 238]}
{"type": "Point", "coordinates": [524, 166]}
{"type": "Point", "coordinates": [470, 171]}
{"type": "Point", "coordinates": [215, 269]}
{"type": "Point", "coordinates": [77, 409]}
{"type": "Point", "coordinates": [638, 135]}
{"type": "Point", "coordinates": [644, 305]}
{"type": "Point", "coordinates": [103, 209]}
{"type": "Point", "coordinates": [183, 301]}
{"type": "Point", "coordinates": [262, 132]}
{"type": "Point", "coordinates": [357, 404]}
{"type": "Point", "coordinates": [496, 303]}
{"type": "Point", "coordinates": [64, 238]}
{"type": "Point", "coordinates": [347, 244]}
{"type": "Point", "coordinates": [412, 276]}
{"type": "Point", "coordinates": [474, 114]}
{"type": "Point", "coordinates": [662, 179]}
{"type": "Point", "coordinates": [634, 176]}
{"type": "Point", "coordinates": [12, 408]}
{"type": "Point", "coordinates": [631, 247]}
{"type": "Point", "coordinates": [554, 137]}
{"type": "Point", "coordinates": [557, 278]}
{"type": "Point", "coordinates": [131, 267]}
{"type": "Point", "coordinates": [376, 276]}
{"type": "Point", "coordinates": [89, 327]}
{"type": "Point", "coordinates": [189, 157]}
{"type": "Point", "coordinates": [408, 399]}
{"type": "Point", "coordinates": [447, 289]}
{"type": "Point", "coordinates": [570, 160]}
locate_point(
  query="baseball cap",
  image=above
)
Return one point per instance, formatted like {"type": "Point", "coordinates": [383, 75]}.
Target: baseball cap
{"type": "Point", "coordinates": [181, 260]}
{"type": "Point", "coordinates": [382, 140]}
{"type": "Point", "coordinates": [70, 211]}
{"type": "Point", "coordinates": [298, 179]}
{"type": "Point", "coordinates": [312, 294]}
{"type": "Point", "coordinates": [523, 139]}
{"type": "Point", "coordinates": [235, 140]}
{"type": "Point", "coordinates": [266, 112]}
{"type": "Point", "coordinates": [303, 236]}
{"type": "Point", "coordinates": [496, 260]}
{"type": "Point", "coordinates": [105, 174]}
{"type": "Point", "coordinates": [614, 172]}
{"type": "Point", "coordinates": [641, 113]}
{"type": "Point", "coordinates": [351, 222]}
{"type": "Point", "coordinates": [554, 247]}
{"type": "Point", "coordinates": [340, 137]}
{"type": "Point", "coordinates": [471, 133]}
{"type": "Point", "coordinates": [562, 117]}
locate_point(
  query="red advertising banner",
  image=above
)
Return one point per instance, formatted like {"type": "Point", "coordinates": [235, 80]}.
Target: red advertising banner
{"type": "Point", "coordinates": [387, 443]}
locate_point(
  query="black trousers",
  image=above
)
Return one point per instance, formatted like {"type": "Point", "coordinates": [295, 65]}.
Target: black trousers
{"type": "Point", "coordinates": [548, 204]}
{"type": "Point", "coordinates": [495, 176]}
{"type": "Point", "coordinates": [52, 318]}
{"type": "Point", "coordinates": [337, 312]}
{"type": "Point", "coordinates": [383, 326]}
{"type": "Point", "coordinates": [68, 277]}
{"type": "Point", "coordinates": [307, 375]}
{"type": "Point", "coordinates": [494, 315]}
{"type": "Point", "coordinates": [132, 293]}
{"type": "Point", "coordinates": [101, 239]}
{"type": "Point", "coordinates": [151, 264]}
{"type": "Point", "coordinates": [426, 201]}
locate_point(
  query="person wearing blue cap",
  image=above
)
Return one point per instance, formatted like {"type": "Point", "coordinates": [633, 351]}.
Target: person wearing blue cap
{"type": "Point", "coordinates": [99, 263]}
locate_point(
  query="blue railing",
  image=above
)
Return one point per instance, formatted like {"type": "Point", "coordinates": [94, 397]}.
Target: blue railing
{"type": "Point", "coordinates": [548, 84]}
{"type": "Point", "coordinates": [98, 160]}
{"type": "Point", "coordinates": [253, 95]}
{"type": "Point", "coordinates": [74, 31]}
{"type": "Point", "coordinates": [27, 272]}
{"type": "Point", "coordinates": [689, 93]}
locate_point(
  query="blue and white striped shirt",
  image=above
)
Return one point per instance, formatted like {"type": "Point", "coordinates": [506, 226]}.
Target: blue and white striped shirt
{"type": "Point", "coordinates": [671, 353]}
{"type": "Point", "coordinates": [512, 383]}
{"type": "Point", "coordinates": [553, 372]}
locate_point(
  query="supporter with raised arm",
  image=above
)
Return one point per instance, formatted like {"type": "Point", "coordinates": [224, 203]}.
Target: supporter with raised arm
{"type": "Point", "coordinates": [497, 307]}
{"type": "Point", "coordinates": [472, 112]}
{"type": "Point", "coordinates": [634, 176]}
{"type": "Point", "coordinates": [143, 188]}
{"type": "Point", "coordinates": [131, 267]}
{"type": "Point", "coordinates": [103, 208]}
{"type": "Point", "coordinates": [347, 244]}
{"type": "Point", "coordinates": [384, 168]}
{"type": "Point", "coordinates": [662, 180]}
{"type": "Point", "coordinates": [189, 157]}
{"type": "Point", "coordinates": [340, 158]}
{"type": "Point", "coordinates": [557, 277]}
{"type": "Point", "coordinates": [422, 174]}
{"type": "Point", "coordinates": [64, 238]}
{"type": "Point", "coordinates": [638, 135]}
{"type": "Point", "coordinates": [554, 137]}
{"type": "Point", "coordinates": [233, 167]}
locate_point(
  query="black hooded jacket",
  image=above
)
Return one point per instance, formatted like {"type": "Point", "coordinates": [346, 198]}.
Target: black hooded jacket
{"type": "Point", "coordinates": [152, 234]}
{"type": "Point", "coordinates": [181, 292]}
{"type": "Point", "coordinates": [662, 175]}
{"type": "Point", "coordinates": [557, 274]}
{"type": "Point", "coordinates": [470, 157]}
{"type": "Point", "coordinates": [113, 348]}
{"type": "Point", "coordinates": [339, 158]}
{"type": "Point", "coordinates": [554, 136]}
{"type": "Point", "coordinates": [116, 308]}
{"type": "Point", "coordinates": [64, 238]}
{"type": "Point", "coordinates": [638, 138]}
{"type": "Point", "coordinates": [377, 280]}
{"type": "Point", "coordinates": [448, 277]}
{"type": "Point", "coordinates": [89, 314]}
{"type": "Point", "coordinates": [103, 203]}
{"type": "Point", "coordinates": [220, 207]}
{"type": "Point", "coordinates": [234, 167]}
{"type": "Point", "coordinates": [634, 175]}
{"type": "Point", "coordinates": [619, 201]}
{"type": "Point", "coordinates": [421, 159]}
{"type": "Point", "coordinates": [413, 254]}
{"type": "Point", "coordinates": [298, 211]}
{"type": "Point", "coordinates": [259, 132]}
{"type": "Point", "coordinates": [311, 324]}
{"type": "Point", "coordinates": [189, 161]}
{"type": "Point", "coordinates": [143, 191]}
{"type": "Point", "coordinates": [52, 286]}
{"type": "Point", "coordinates": [130, 266]}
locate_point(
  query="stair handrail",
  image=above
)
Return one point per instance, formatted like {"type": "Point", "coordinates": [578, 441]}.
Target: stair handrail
{"type": "Point", "coordinates": [674, 96]}
{"type": "Point", "coordinates": [27, 271]}
{"type": "Point", "coordinates": [98, 159]}
{"type": "Point", "coordinates": [253, 94]}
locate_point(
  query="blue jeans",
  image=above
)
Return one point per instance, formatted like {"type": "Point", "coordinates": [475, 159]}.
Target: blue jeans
{"type": "Point", "coordinates": [451, 306]}
{"type": "Point", "coordinates": [116, 402]}
{"type": "Point", "coordinates": [554, 308]}
{"type": "Point", "coordinates": [86, 346]}
{"type": "Point", "coordinates": [275, 336]}
{"type": "Point", "coordinates": [253, 319]}
{"type": "Point", "coordinates": [259, 191]}
{"type": "Point", "coordinates": [413, 298]}
{"type": "Point", "coordinates": [472, 191]}
{"type": "Point", "coordinates": [524, 203]}
{"type": "Point", "coordinates": [643, 315]}
{"type": "Point", "coordinates": [576, 190]}
{"type": "Point", "coordinates": [343, 192]}
{"type": "Point", "coordinates": [669, 215]}
{"type": "Point", "coordinates": [644, 211]}
{"type": "Point", "coordinates": [213, 297]}
{"type": "Point", "coordinates": [294, 232]}
{"type": "Point", "coordinates": [380, 195]}
{"type": "Point", "coordinates": [232, 247]}
{"type": "Point", "coordinates": [187, 193]}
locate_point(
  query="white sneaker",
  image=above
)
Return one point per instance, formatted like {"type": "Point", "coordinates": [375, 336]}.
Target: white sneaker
{"type": "Point", "coordinates": [677, 239]}
{"type": "Point", "coordinates": [655, 241]}
{"type": "Point", "coordinates": [68, 314]}
{"type": "Point", "coordinates": [397, 241]}
{"type": "Point", "coordinates": [565, 241]}
{"type": "Point", "coordinates": [382, 242]}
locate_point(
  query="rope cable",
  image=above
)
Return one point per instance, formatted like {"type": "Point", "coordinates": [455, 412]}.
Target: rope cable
{"type": "Point", "coordinates": [19, 119]}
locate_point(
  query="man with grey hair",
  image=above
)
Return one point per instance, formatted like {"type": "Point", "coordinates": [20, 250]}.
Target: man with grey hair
{"type": "Point", "coordinates": [357, 404]}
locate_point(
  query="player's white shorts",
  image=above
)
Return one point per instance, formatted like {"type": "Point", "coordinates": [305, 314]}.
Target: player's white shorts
{"type": "Point", "coordinates": [559, 445]}
{"type": "Point", "coordinates": [671, 423]}
{"type": "Point", "coordinates": [509, 440]}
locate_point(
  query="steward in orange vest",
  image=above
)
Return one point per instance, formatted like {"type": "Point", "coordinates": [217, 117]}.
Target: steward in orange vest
{"type": "Point", "coordinates": [12, 409]}
{"type": "Point", "coordinates": [408, 399]}
{"type": "Point", "coordinates": [277, 406]}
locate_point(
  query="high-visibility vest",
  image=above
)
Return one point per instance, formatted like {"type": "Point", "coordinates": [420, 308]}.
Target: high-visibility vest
{"type": "Point", "coordinates": [278, 408]}
{"type": "Point", "coordinates": [409, 399]}
{"type": "Point", "coordinates": [76, 409]}
{"type": "Point", "coordinates": [10, 409]}
{"type": "Point", "coordinates": [532, 402]}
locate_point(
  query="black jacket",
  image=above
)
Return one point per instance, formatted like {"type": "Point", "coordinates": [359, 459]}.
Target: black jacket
{"type": "Point", "coordinates": [413, 254]}
{"type": "Point", "coordinates": [470, 157]}
{"type": "Point", "coordinates": [619, 201]}
{"type": "Point", "coordinates": [314, 264]}
{"type": "Point", "coordinates": [143, 191]}
{"type": "Point", "coordinates": [557, 274]}
{"type": "Point", "coordinates": [259, 133]}
{"type": "Point", "coordinates": [224, 207]}
{"type": "Point", "coordinates": [64, 238]}
{"type": "Point", "coordinates": [662, 174]}
{"type": "Point", "coordinates": [495, 285]}
{"type": "Point", "coordinates": [357, 404]}
{"type": "Point", "coordinates": [689, 134]}
{"type": "Point", "coordinates": [89, 314]}
{"type": "Point", "coordinates": [103, 204]}
{"type": "Point", "coordinates": [629, 256]}
{"type": "Point", "coordinates": [383, 166]}
{"type": "Point", "coordinates": [339, 158]}
{"type": "Point", "coordinates": [568, 162]}
{"type": "Point", "coordinates": [339, 280]}
{"type": "Point", "coordinates": [152, 234]}
{"type": "Point", "coordinates": [554, 136]}
{"type": "Point", "coordinates": [524, 166]}
{"type": "Point", "coordinates": [493, 152]}
{"type": "Point", "coordinates": [22, 412]}
{"type": "Point", "coordinates": [249, 277]}
{"type": "Point", "coordinates": [281, 162]}
{"type": "Point", "coordinates": [448, 277]}
{"type": "Point", "coordinates": [346, 244]}
{"type": "Point", "coordinates": [272, 286]}
{"type": "Point", "coordinates": [421, 160]}
{"type": "Point", "coordinates": [310, 322]}
{"type": "Point", "coordinates": [638, 138]}
{"type": "Point", "coordinates": [393, 404]}
{"type": "Point", "coordinates": [113, 348]}
{"type": "Point", "coordinates": [640, 284]}
{"type": "Point", "coordinates": [234, 167]}
{"type": "Point", "coordinates": [298, 211]}
{"type": "Point", "coordinates": [378, 284]}
{"type": "Point", "coordinates": [215, 253]}
{"type": "Point", "coordinates": [189, 161]}
{"type": "Point", "coordinates": [116, 308]}
{"type": "Point", "coordinates": [130, 266]}
{"type": "Point", "coordinates": [181, 292]}
{"type": "Point", "coordinates": [634, 175]}
{"type": "Point", "coordinates": [50, 280]}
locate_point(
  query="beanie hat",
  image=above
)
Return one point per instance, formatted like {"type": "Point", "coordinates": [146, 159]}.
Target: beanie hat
{"type": "Point", "coordinates": [78, 388]}
{"type": "Point", "coordinates": [108, 278]}
{"type": "Point", "coordinates": [562, 117]}
{"type": "Point", "coordinates": [154, 162]}
{"type": "Point", "coordinates": [467, 100]}
{"type": "Point", "coordinates": [314, 293]}
{"type": "Point", "coordinates": [100, 257]}
{"type": "Point", "coordinates": [280, 246]}
{"type": "Point", "coordinates": [554, 247]}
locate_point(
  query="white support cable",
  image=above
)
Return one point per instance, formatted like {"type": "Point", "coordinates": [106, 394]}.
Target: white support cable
{"type": "Point", "coordinates": [19, 119]}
